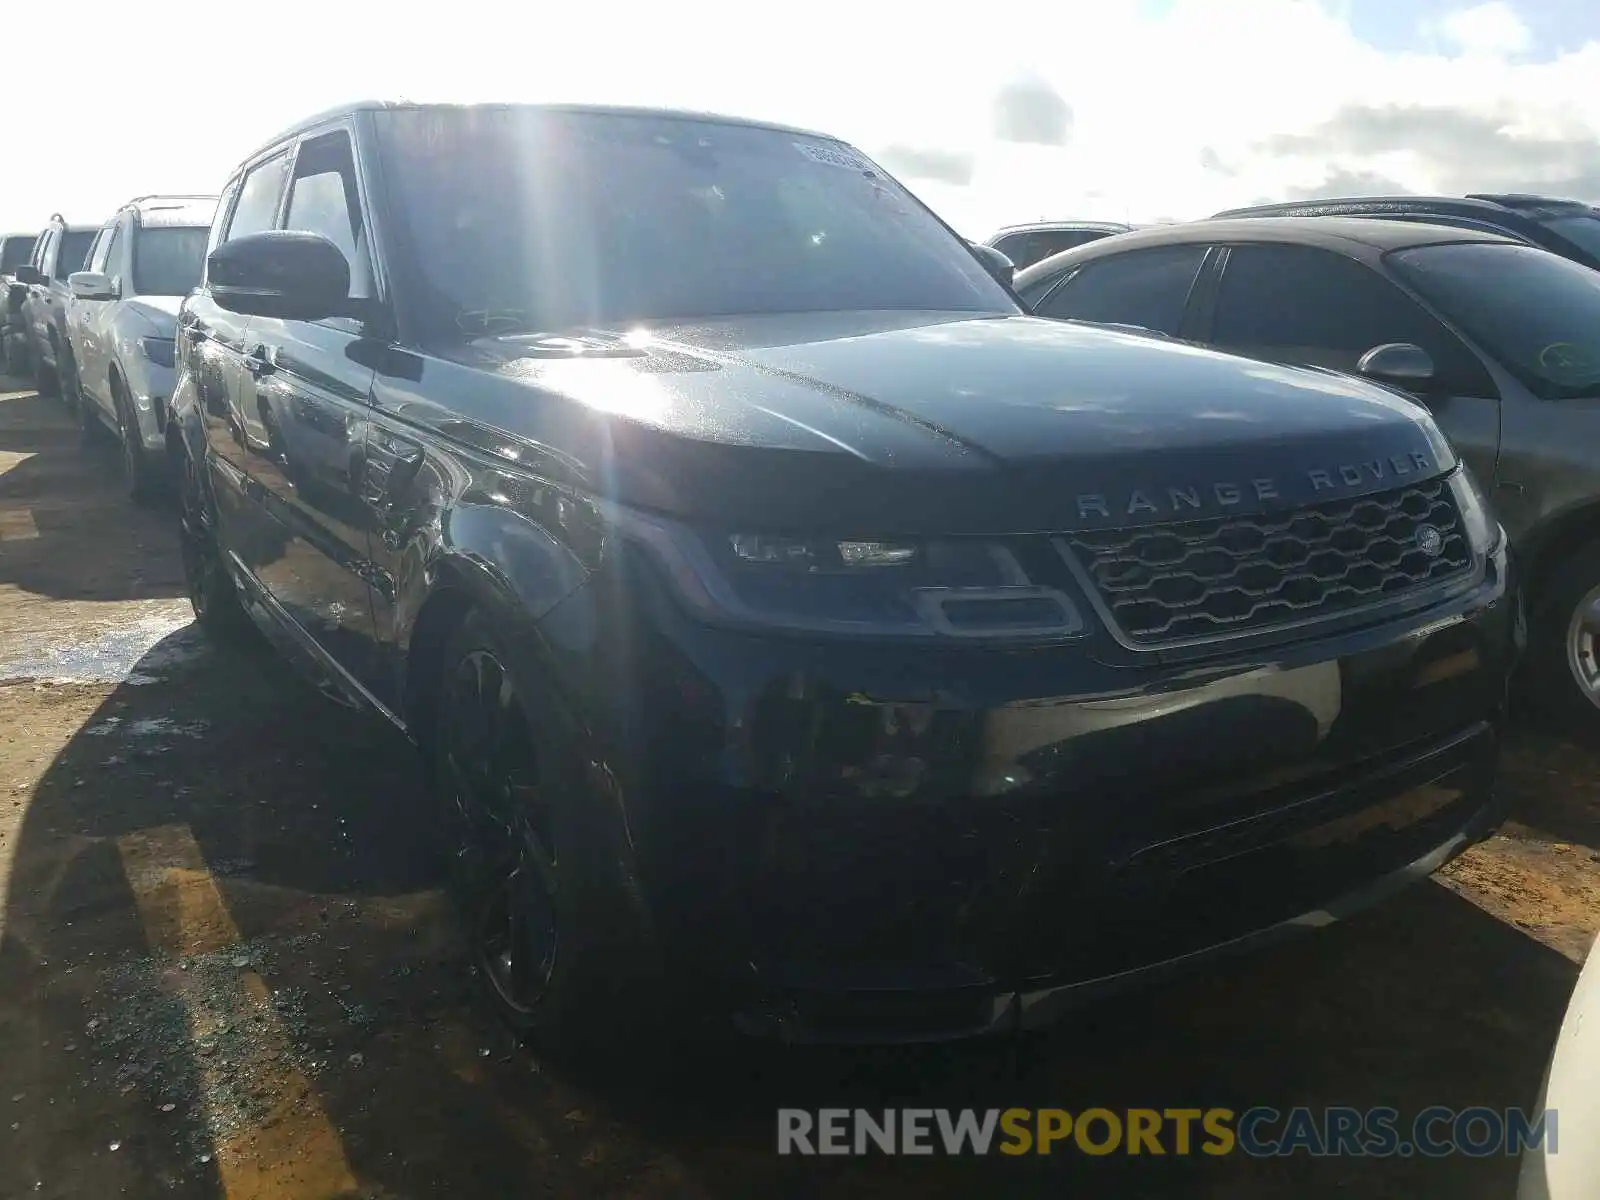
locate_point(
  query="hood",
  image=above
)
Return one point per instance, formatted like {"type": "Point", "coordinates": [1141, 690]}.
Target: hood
{"type": "Point", "coordinates": [160, 311]}
{"type": "Point", "coordinates": [922, 423]}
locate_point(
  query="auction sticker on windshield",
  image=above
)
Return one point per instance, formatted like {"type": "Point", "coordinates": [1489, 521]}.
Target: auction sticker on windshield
{"type": "Point", "coordinates": [833, 156]}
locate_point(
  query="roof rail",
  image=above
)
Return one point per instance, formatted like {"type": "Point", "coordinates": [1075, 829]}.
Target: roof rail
{"type": "Point", "coordinates": [168, 196]}
{"type": "Point", "coordinates": [1522, 199]}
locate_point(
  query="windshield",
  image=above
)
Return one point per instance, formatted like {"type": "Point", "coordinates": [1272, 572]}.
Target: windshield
{"type": "Point", "coordinates": [529, 220]}
{"type": "Point", "coordinates": [15, 252]}
{"type": "Point", "coordinates": [1583, 231]}
{"type": "Point", "coordinates": [1536, 312]}
{"type": "Point", "coordinates": [74, 249]}
{"type": "Point", "coordinates": [167, 260]}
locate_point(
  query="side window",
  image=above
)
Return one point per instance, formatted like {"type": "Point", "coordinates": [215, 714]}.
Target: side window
{"type": "Point", "coordinates": [1025, 249]}
{"type": "Point", "coordinates": [1149, 288]}
{"type": "Point", "coordinates": [111, 252]}
{"type": "Point", "coordinates": [223, 214]}
{"type": "Point", "coordinates": [324, 198]}
{"type": "Point", "coordinates": [1035, 291]}
{"type": "Point", "coordinates": [257, 210]}
{"type": "Point", "coordinates": [100, 252]}
{"type": "Point", "coordinates": [1302, 305]}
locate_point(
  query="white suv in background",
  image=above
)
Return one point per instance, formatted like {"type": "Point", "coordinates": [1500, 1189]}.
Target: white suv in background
{"type": "Point", "coordinates": [120, 325]}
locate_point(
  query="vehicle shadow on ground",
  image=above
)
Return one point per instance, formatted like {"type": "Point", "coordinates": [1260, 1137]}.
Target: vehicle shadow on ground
{"type": "Point", "coordinates": [67, 529]}
{"type": "Point", "coordinates": [301, 826]}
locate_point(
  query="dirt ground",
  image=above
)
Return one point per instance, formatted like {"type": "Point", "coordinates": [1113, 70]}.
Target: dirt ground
{"type": "Point", "coordinates": [226, 968]}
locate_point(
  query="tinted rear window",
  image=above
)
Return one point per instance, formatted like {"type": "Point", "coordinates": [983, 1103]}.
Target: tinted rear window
{"type": "Point", "coordinates": [15, 252]}
{"type": "Point", "coordinates": [167, 260]}
{"type": "Point", "coordinates": [1581, 230]}
{"type": "Point", "coordinates": [1025, 249]}
{"type": "Point", "coordinates": [74, 249]}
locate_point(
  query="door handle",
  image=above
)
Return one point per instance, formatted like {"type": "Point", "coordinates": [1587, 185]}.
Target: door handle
{"type": "Point", "coordinates": [263, 360]}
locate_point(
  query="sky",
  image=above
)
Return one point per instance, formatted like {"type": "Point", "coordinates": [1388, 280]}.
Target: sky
{"type": "Point", "coordinates": [1136, 110]}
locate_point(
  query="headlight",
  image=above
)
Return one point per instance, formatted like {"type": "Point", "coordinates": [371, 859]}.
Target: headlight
{"type": "Point", "coordinates": [940, 588]}
{"type": "Point", "coordinates": [1482, 526]}
{"type": "Point", "coordinates": [158, 350]}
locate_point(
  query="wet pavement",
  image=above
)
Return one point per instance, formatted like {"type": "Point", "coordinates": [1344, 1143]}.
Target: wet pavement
{"type": "Point", "coordinates": [226, 968]}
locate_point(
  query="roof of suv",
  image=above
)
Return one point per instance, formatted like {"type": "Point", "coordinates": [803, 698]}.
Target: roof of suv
{"type": "Point", "coordinates": [1334, 233]}
{"type": "Point", "coordinates": [156, 211]}
{"type": "Point", "coordinates": [1030, 226]}
{"type": "Point", "coordinates": [1487, 205]}
{"type": "Point", "coordinates": [57, 221]}
{"type": "Point", "coordinates": [347, 110]}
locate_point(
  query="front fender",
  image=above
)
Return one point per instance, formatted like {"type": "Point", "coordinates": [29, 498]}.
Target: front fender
{"type": "Point", "coordinates": [505, 561]}
{"type": "Point", "coordinates": [183, 416]}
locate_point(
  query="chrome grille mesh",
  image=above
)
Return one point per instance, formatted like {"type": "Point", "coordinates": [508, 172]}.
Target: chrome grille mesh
{"type": "Point", "coordinates": [1195, 579]}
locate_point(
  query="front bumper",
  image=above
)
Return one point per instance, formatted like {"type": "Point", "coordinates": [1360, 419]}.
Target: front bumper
{"type": "Point", "coordinates": [150, 387]}
{"type": "Point", "coordinates": [866, 843]}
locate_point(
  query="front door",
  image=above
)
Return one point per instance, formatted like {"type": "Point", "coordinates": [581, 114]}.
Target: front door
{"type": "Point", "coordinates": [311, 393]}
{"type": "Point", "coordinates": [237, 449]}
{"type": "Point", "coordinates": [92, 318]}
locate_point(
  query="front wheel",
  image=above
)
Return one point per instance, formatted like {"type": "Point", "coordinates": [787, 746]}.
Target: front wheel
{"type": "Point", "coordinates": [1564, 643]}
{"type": "Point", "coordinates": [140, 474]}
{"type": "Point", "coordinates": [71, 386]}
{"type": "Point", "coordinates": [544, 918]}
{"type": "Point", "coordinates": [46, 378]}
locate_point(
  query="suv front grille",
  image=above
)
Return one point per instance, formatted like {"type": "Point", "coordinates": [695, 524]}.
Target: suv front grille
{"type": "Point", "coordinates": [1189, 580]}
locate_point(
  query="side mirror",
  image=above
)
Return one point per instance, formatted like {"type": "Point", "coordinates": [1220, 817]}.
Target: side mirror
{"type": "Point", "coordinates": [92, 285]}
{"type": "Point", "coordinates": [995, 263]}
{"type": "Point", "coordinates": [28, 274]}
{"type": "Point", "coordinates": [1399, 364]}
{"type": "Point", "coordinates": [284, 273]}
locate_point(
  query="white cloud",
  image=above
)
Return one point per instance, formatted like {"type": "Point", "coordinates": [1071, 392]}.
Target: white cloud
{"type": "Point", "coordinates": [1485, 29]}
{"type": "Point", "coordinates": [1150, 103]}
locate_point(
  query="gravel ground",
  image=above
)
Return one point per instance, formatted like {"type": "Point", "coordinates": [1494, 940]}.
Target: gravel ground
{"type": "Point", "coordinates": [226, 968]}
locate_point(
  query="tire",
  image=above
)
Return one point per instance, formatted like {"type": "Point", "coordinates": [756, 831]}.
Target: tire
{"type": "Point", "coordinates": [44, 378]}
{"type": "Point", "coordinates": [553, 942]}
{"type": "Point", "coordinates": [71, 386]}
{"type": "Point", "coordinates": [1561, 654]}
{"type": "Point", "coordinates": [211, 592]}
{"type": "Point", "coordinates": [140, 475]}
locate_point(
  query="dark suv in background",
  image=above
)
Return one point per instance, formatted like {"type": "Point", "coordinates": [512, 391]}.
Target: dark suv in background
{"type": "Point", "coordinates": [1569, 228]}
{"type": "Point", "coordinates": [1499, 339]}
{"type": "Point", "coordinates": [62, 249]}
{"type": "Point", "coordinates": [15, 251]}
{"type": "Point", "coordinates": [1026, 244]}
{"type": "Point", "coordinates": [778, 607]}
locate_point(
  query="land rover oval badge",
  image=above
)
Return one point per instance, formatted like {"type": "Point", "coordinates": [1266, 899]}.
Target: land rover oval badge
{"type": "Point", "coordinates": [1430, 541]}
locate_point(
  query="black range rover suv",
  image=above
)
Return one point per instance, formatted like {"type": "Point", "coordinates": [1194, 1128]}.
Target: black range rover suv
{"type": "Point", "coordinates": [778, 607]}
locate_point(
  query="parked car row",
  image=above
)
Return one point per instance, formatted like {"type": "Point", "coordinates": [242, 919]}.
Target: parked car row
{"type": "Point", "coordinates": [92, 313]}
{"type": "Point", "coordinates": [1497, 338]}
{"type": "Point", "coordinates": [786, 616]}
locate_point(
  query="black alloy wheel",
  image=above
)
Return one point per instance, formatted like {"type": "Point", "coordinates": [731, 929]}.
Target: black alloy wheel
{"type": "Point", "coordinates": [561, 951]}
{"type": "Point", "coordinates": [505, 864]}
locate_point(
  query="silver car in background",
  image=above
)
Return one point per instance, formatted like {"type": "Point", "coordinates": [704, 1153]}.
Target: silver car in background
{"type": "Point", "coordinates": [118, 364]}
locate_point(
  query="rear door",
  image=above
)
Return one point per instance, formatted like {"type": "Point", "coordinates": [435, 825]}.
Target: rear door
{"type": "Point", "coordinates": [311, 387]}
{"type": "Point", "coordinates": [1304, 305]}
